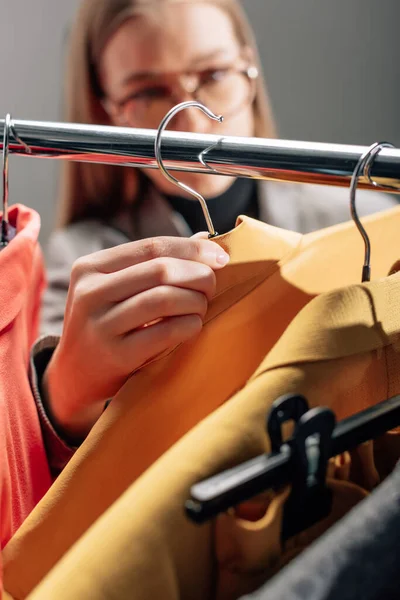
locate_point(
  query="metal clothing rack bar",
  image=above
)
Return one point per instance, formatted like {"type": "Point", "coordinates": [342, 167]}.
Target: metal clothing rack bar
{"type": "Point", "coordinates": [280, 160]}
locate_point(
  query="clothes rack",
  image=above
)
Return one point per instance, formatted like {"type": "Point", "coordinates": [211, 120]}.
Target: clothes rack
{"type": "Point", "coordinates": [281, 160]}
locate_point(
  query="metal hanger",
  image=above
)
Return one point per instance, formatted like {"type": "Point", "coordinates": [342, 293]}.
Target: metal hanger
{"type": "Point", "coordinates": [364, 166]}
{"type": "Point", "coordinates": [157, 152]}
{"type": "Point", "coordinates": [4, 235]}
{"type": "Point", "coordinates": [367, 169]}
{"type": "Point", "coordinates": [7, 231]}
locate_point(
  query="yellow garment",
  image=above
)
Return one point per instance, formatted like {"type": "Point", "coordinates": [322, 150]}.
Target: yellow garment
{"type": "Point", "coordinates": [256, 555]}
{"type": "Point", "coordinates": [341, 351]}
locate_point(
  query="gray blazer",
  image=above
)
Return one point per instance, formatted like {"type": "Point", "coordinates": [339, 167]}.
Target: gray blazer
{"type": "Point", "coordinates": [302, 208]}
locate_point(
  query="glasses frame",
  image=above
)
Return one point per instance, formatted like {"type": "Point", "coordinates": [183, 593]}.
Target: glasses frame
{"type": "Point", "coordinates": [115, 109]}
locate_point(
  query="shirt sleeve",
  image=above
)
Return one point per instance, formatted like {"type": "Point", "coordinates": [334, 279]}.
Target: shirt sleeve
{"type": "Point", "coordinates": [58, 450]}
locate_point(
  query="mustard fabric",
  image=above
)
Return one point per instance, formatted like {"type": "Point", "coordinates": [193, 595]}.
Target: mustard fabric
{"type": "Point", "coordinates": [342, 351]}
{"type": "Point", "coordinates": [250, 554]}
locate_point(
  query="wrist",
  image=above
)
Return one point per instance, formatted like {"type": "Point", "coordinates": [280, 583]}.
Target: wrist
{"type": "Point", "coordinates": [70, 418]}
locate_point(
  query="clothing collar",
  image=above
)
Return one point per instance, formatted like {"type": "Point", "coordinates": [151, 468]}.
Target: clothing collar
{"type": "Point", "coordinates": [17, 263]}
{"type": "Point", "coordinates": [346, 322]}
{"type": "Point", "coordinates": [256, 251]}
{"type": "Point", "coordinates": [336, 323]}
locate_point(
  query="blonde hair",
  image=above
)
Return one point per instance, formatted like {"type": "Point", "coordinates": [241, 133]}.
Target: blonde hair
{"type": "Point", "coordinates": [94, 190]}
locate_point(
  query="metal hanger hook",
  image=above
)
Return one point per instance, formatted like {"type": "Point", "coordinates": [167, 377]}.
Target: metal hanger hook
{"type": "Point", "coordinates": [368, 166]}
{"type": "Point", "coordinates": [157, 152]}
{"type": "Point", "coordinates": [364, 166]}
{"type": "Point", "coordinates": [6, 144]}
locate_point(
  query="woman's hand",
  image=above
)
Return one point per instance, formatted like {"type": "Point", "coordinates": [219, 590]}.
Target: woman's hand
{"type": "Point", "coordinates": [125, 305]}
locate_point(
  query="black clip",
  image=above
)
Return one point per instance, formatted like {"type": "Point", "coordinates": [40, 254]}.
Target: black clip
{"type": "Point", "coordinates": [310, 499]}
{"type": "Point", "coordinates": [290, 407]}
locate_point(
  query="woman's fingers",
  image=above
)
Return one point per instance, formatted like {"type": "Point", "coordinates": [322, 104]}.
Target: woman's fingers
{"type": "Point", "coordinates": [119, 286]}
{"type": "Point", "coordinates": [134, 253]}
{"type": "Point", "coordinates": [158, 303]}
{"type": "Point", "coordinates": [147, 343]}
{"type": "Point", "coordinates": [126, 305]}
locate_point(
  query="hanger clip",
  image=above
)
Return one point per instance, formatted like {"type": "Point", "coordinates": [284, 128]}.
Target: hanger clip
{"type": "Point", "coordinates": [310, 499]}
{"type": "Point", "coordinates": [290, 407]}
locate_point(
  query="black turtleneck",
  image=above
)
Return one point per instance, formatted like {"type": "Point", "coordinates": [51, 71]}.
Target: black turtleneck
{"type": "Point", "coordinates": [239, 199]}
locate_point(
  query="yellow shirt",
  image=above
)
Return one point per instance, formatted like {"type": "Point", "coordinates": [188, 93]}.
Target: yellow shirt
{"type": "Point", "coordinates": [341, 351]}
{"type": "Point", "coordinates": [272, 275]}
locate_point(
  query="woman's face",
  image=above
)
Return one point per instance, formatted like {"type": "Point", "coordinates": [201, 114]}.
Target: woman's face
{"type": "Point", "coordinates": [153, 62]}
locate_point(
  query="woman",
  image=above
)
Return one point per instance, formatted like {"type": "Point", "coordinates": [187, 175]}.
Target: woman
{"type": "Point", "coordinates": [130, 62]}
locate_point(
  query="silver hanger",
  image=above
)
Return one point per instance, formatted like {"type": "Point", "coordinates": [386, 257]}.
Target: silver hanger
{"type": "Point", "coordinates": [4, 235]}
{"type": "Point", "coordinates": [367, 168]}
{"type": "Point", "coordinates": [364, 165]}
{"type": "Point", "coordinates": [157, 152]}
{"type": "Point", "coordinates": [7, 231]}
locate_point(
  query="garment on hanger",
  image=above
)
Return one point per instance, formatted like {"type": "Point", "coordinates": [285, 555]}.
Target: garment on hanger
{"type": "Point", "coordinates": [357, 558]}
{"type": "Point", "coordinates": [24, 473]}
{"type": "Point", "coordinates": [340, 351]}
{"type": "Point", "coordinates": [349, 360]}
{"type": "Point", "coordinates": [143, 564]}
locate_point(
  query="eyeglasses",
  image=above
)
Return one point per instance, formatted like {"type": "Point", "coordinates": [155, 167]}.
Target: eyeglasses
{"type": "Point", "coordinates": [224, 91]}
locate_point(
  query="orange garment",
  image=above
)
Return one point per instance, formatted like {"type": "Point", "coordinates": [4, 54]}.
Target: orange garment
{"type": "Point", "coordinates": [24, 474]}
{"type": "Point", "coordinates": [257, 298]}
{"type": "Point", "coordinates": [341, 351]}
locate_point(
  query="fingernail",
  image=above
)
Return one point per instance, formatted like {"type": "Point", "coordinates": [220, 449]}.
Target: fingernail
{"type": "Point", "coordinates": [222, 258]}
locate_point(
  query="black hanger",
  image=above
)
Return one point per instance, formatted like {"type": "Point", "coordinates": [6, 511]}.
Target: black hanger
{"type": "Point", "coordinates": [289, 463]}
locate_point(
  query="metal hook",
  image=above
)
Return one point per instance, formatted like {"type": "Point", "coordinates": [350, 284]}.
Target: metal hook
{"type": "Point", "coordinates": [364, 165]}
{"type": "Point", "coordinates": [157, 152]}
{"type": "Point", "coordinates": [18, 139]}
{"type": "Point", "coordinates": [367, 168]}
{"type": "Point", "coordinates": [4, 222]}
{"type": "Point", "coordinates": [202, 160]}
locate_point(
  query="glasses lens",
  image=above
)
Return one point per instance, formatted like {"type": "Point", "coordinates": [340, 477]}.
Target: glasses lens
{"type": "Point", "coordinates": [224, 93]}
{"type": "Point", "coordinates": [227, 94]}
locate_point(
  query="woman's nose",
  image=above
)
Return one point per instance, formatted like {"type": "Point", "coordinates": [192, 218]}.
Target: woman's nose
{"type": "Point", "coordinates": [191, 119]}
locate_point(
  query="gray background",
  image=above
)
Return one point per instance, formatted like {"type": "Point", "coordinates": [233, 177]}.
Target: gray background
{"type": "Point", "coordinates": [331, 67]}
